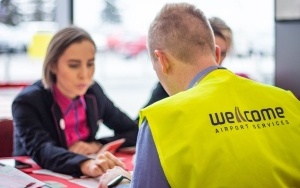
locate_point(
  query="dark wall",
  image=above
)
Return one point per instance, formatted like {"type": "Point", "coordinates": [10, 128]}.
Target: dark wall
{"type": "Point", "coordinates": [287, 56]}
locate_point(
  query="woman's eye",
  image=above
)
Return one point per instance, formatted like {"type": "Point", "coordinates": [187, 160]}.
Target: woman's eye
{"type": "Point", "coordinates": [90, 64]}
{"type": "Point", "coordinates": [73, 65]}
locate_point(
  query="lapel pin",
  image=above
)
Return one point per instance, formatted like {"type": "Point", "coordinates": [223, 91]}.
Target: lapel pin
{"type": "Point", "coordinates": [62, 124]}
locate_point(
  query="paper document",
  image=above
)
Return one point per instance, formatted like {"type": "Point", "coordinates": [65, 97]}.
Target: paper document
{"type": "Point", "coordinates": [86, 182]}
{"type": "Point", "coordinates": [11, 177]}
{"type": "Point", "coordinates": [51, 173]}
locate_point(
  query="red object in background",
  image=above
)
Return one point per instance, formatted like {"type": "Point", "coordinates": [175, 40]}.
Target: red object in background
{"type": "Point", "coordinates": [127, 45]}
{"type": "Point", "coordinates": [134, 47]}
{"type": "Point", "coordinates": [113, 42]}
{"type": "Point", "coordinates": [6, 137]}
{"type": "Point", "coordinates": [242, 75]}
{"type": "Point", "coordinates": [13, 85]}
{"type": "Point", "coordinates": [127, 158]}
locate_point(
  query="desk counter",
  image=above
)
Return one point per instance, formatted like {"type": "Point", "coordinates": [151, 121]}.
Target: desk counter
{"type": "Point", "coordinates": [127, 158]}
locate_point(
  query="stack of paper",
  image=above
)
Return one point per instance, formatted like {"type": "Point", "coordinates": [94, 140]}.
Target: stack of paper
{"type": "Point", "coordinates": [11, 177]}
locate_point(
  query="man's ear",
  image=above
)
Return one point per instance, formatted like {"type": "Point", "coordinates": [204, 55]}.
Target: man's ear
{"type": "Point", "coordinates": [218, 54]}
{"type": "Point", "coordinates": [162, 60]}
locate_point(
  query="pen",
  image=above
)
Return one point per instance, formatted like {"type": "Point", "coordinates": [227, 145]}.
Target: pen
{"type": "Point", "coordinates": [116, 181]}
{"type": "Point", "coordinates": [29, 184]}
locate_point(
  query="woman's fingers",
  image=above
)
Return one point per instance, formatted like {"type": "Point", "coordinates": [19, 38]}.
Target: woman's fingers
{"type": "Point", "coordinates": [107, 161]}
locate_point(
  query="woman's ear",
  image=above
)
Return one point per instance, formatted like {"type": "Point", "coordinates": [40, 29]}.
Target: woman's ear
{"type": "Point", "coordinates": [53, 68]}
{"type": "Point", "coordinates": [162, 60]}
{"type": "Point", "coordinates": [218, 54]}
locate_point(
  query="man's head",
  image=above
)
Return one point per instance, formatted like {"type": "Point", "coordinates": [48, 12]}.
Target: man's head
{"type": "Point", "coordinates": [180, 42]}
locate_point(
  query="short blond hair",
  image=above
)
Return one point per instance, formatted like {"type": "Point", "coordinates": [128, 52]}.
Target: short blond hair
{"type": "Point", "coordinates": [182, 29]}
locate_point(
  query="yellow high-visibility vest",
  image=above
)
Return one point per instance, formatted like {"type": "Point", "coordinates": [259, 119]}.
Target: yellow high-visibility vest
{"type": "Point", "coordinates": [227, 131]}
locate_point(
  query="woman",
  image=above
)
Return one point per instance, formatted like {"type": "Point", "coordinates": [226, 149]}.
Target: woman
{"type": "Point", "coordinates": [223, 35]}
{"type": "Point", "coordinates": [56, 119]}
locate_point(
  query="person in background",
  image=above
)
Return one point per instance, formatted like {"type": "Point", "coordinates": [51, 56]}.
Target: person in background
{"type": "Point", "coordinates": [223, 35]}
{"type": "Point", "coordinates": [56, 119]}
{"type": "Point", "coordinates": [244, 137]}
{"type": "Point", "coordinates": [223, 38]}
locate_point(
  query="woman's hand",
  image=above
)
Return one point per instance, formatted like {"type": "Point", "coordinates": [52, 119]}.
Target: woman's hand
{"type": "Point", "coordinates": [112, 174]}
{"type": "Point", "coordinates": [85, 148]}
{"type": "Point", "coordinates": [99, 165]}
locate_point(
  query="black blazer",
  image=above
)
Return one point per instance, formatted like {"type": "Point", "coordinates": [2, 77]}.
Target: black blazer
{"type": "Point", "coordinates": [157, 94]}
{"type": "Point", "coordinates": [38, 133]}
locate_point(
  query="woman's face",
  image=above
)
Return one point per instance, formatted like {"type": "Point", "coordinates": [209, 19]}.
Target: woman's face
{"type": "Point", "coordinates": [223, 46]}
{"type": "Point", "coordinates": [75, 69]}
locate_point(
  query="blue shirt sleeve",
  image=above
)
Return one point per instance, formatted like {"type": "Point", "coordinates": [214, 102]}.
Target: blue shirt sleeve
{"type": "Point", "coordinates": [148, 171]}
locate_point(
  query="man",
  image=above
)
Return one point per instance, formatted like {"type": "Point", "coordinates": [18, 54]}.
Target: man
{"type": "Point", "coordinates": [223, 38]}
{"type": "Point", "coordinates": [217, 129]}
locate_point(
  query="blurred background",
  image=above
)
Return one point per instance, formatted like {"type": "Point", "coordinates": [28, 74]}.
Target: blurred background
{"type": "Point", "coordinates": [119, 28]}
